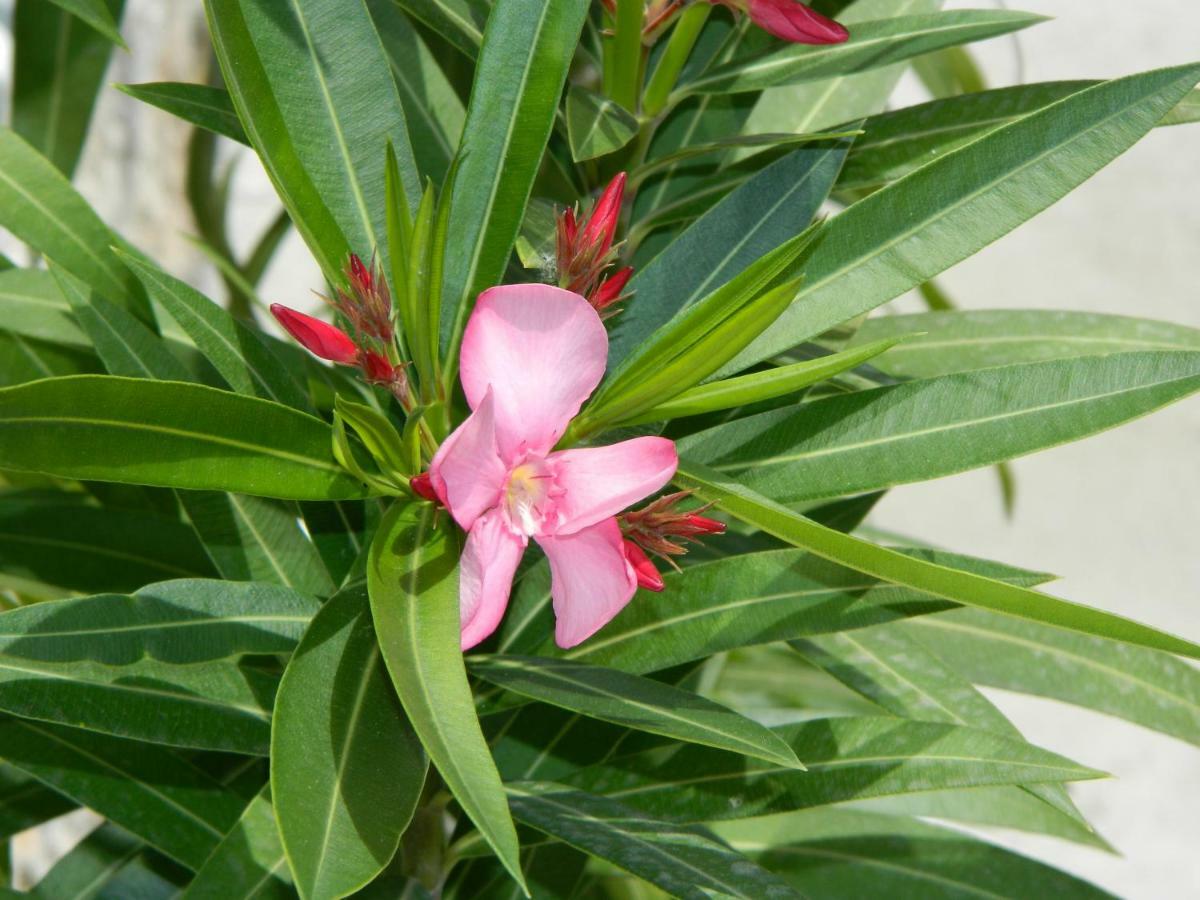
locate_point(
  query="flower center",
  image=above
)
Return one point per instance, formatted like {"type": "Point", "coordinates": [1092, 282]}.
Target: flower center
{"type": "Point", "coordinates": [529, 495]}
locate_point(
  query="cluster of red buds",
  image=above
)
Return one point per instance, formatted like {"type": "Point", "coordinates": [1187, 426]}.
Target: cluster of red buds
{"type": "Point", "coordinates": [664, 530]}
{"type": "Point", "coordinates": [586, 251]}
{"type": "Point", "coordinates": [367, 307]}
{"type": "Point", "coordinates": [789, 20]}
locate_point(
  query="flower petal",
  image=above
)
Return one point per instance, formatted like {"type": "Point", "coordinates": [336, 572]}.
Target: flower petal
{"type": "Point", "coordinates": [591, 581]}
{"type": "Point", "coordinates": [793, 21]}
{"type": "Point", "coordinates": [598, 482]}
{"type": "Point", "coordinates": [467, 473]}
{"type": "Point", "coordinates": [542, 351]}
{"type": "Point", "coordinates": [485, 576]}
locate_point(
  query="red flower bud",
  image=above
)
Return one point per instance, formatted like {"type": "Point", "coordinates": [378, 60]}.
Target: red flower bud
{"type": "Point", "coordinates": [377, 369]}
{"type": "Point", "coordinates": [317, 337]}
{"type": "Point", "coordinates": [602, 223]}
{"type": "Point", "coordinates": [610, 288]}
{"type": "Point", "coordinates": [795, 22]}
{"type": "Point", "coordinates": [648, 576]}
{"type": "Point", "coordinates": [360, 275]}
{"type": "Point", "coordinates": [422, 486]}
{"type": "Point", "coordinates": [704, 525]}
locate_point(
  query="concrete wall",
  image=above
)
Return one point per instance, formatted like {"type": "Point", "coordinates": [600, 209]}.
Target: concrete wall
{"type": "Point", "coordinates": [1115, 516]}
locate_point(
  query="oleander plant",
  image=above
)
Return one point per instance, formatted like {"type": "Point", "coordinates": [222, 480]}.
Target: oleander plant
{"type": "Point", "coordinates": [535, 564]}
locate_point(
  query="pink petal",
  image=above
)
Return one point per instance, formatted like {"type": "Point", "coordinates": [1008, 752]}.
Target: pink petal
{"type": "Point", "coordinates": [795, 22]}
{"type": "Point", "coordinates": [542, 351]}
{"type": "Point", "coordinates": [467, 473]}
{"type": "Point", "coordinates": [485, 576]}
{"type": "Point", "coordinates": [599, 482]}
{"type": "Point", "coordinates": [590, 580]}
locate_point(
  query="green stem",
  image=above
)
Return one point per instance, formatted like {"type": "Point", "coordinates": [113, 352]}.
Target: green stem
{"type": "Point", "coordinates": [626, 82]}
{"type": "Point", "coordinates": [674, 58]}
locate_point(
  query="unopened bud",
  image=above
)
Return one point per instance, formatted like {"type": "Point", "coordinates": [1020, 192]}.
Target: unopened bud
{"type": "Point", "coordinates": [317, 337]}
{"type": "Point", "coordinates": [648, 576]}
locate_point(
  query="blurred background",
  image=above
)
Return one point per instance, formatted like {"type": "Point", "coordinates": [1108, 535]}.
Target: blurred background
{"type": "Point", "coordinates": [1115, 516]}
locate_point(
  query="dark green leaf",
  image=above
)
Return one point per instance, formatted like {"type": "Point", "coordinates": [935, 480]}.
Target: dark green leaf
{"type": "Point", "coordinates": [249, 864]}
{"type": "Point", "coordinates": [205, 107]}
{"type": "Point", "coordinates": [96, 13]}
{"type": "Point", "coordinates": [459, 22]}
{"type": "Point", "coordinates": [596, 125]}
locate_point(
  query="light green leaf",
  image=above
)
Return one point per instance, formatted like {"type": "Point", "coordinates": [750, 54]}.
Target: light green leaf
{"type": "Point", "coordinates": [939, 343]}
{"type": "Point", "coordinates": [205, 107]}
{"type": "Point", "coordinates": [460, 22]}
{"type": "Point", "coordinates": [97, 14]}
{"type": "Point", "coordinates": [869, 440]}
{"type": "Point", "coordinates": [25, 359]}
{"type": "Point", "coordinates": [596, 125]}
{"type": "Point", "coordinates": [147, 790]}
{"type": "Point", "coordinates": [135, 431]}
{"type": "Point", "coordinates": [312, 87]}
{"type": "Point", "coordinates": [412, 577]}
{"type": "Point", "coordinates": [924, 223]}
{"type": "Point", "coordinates": [58, 70]}
{"type": "Point", "coordinates": [523, 64]}
{"type": "Point", "coordinates": [39, 206]}
{"type": "Point", "coordinates": [847, 758]}
{"type": "Point", "coordinates": [871, 45]}
{"type": "Point", "coordinates": [941, 581]}
{"type": "Point", "coordinates": [32, 305]}
{"type": "Point", "coordinates": [346, 767]}
{"type": "Point", "coordinates": [684, 861]}
{"type": "Point", "coordinates": [1143, 686]}
{"type": "Point", "coordinates": [249, 864]}
{"type": "Point", "coordinates": [633, 701]}
{"type": "Point", "coordinates": [186, 621]}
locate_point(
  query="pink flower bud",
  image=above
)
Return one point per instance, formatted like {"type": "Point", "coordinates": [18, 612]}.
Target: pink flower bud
{"type": "Point", "coordinates": [610, 288]}
{"type": "Point", "coordinates": [648, 576]}
{"type": "Point", "coordinates": [795, 22]}
{"type": "Point", "coordinates": [317, 337]}
{"type": "Point", "coordinates": [602, 223]}
{"type": "Point", "coordinates": [377, 369]}
{"type": "Point", "coordinates": [360, 275]}
{"type": "Point", "coordinates": [704, 525]}
{"type": "Point", "coordinates": [422, 486]}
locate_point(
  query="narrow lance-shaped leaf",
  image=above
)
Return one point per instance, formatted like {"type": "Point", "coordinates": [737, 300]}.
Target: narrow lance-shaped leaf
{"type": "Point", "coordinates": [137, 431]}
{"type": "Point", "coordinates": [249, 864]}
{"type": "Point", "coordinates": [527, 49]}
{"type": "Point", "coordinates": [940, 581]}
{"type": "Point", "coordinates": [633, 701]}
{"type": "Point", "coordinates": [919, 226]}
{"type": "Point", "coordinates": [34, 306]}
{"type": "Point", "coordinates": [412, 577]}
{"type": "Point", "coordinates": [204, 106]}
{"type": "Point", "coordinates": [98, 14]}
{"type": "Point", "coordinates": [684, 861]}
{"type": "Point", "coordinates": [346, 767]}
{"type": "Point", "coordinates": [869, 440]}
{"type": "Point", "coordinates": [313, 90]}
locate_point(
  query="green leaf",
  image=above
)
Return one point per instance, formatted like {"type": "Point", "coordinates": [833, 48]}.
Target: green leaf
{"type": "Point", "coordinates": [25, 802]}
{"type": "Point", "coordinates": [89, 868]}
{"type": "Point", "coordinates": [633, 701]}
{"type": "Point", "coordinates": [775, 205]}
{"type": "Point", "coordinates": [769, 384]}
{"type": "Point", "coordinates": [346, 767]}
{"type": "Point", "coordinates": [861, 442]}
{"type": "Point", "coordinates": [523, 64]}
{"type": "Point", "coordinates": [91, 549]}
{"type": "Point", "coordinates": [97, 14]}
{"type": "Point", "coordinates": [178, 622]}
{"type": "Point", "coordinates": [596, 125]}
{"type": "Point", "coordinates": [847, 758]}
{"type": "Point", "coordinates": [147, 790]}
{"type": "Point", "coordinates": [907, 233]}
{"type": "Point", "coordinates": [684, 861]}
{"type": "Point", "coordinates": [136, 431]}
{"type": "Point", "coordinates": [412, 577]}
{"type": "Point", "coordinates": [895, 672]}
{"type": "Point", "coordinates": [459, 22]}
{"type": "Point", "coordinates": [941, 581]}
{"type": "Point", "coordinates": [249, 864]}
{"type": "Point", "coordinates": [752, 598]}
{"type": "Point", "coordinates": [39, 206]}
{"type": "Point", "coordinates": [241, 356]}
{"type": "Point", "coordinates": [842, 854]}
{"type": "Point", "coordinates": [58, 70]}
{"type": "Point", "coordinates": [32, 305]}
{"type": "Point", "coordinates": [313, 89]}
{"type": "Point", "coordinates": [205, 107]}
{"type": "Point", "coordinates": [939, 343]}
{"type": "Point", "coordinates": [871, 45]}
{"type": "Point", "coordinates": [434, 112]}
{"type": "Point", "coordinates": [1143, 686]}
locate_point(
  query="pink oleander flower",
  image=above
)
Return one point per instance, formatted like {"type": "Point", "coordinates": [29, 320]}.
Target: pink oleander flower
{"type": "Point", "coordinates": [790, 20]}
{"type": "Point", "coordinates": [531, 355]}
